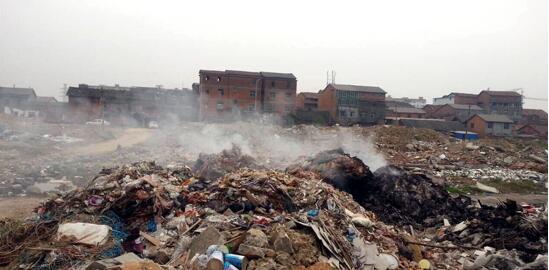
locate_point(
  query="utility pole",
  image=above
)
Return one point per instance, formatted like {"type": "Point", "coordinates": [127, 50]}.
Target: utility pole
{"type": "Point", "coordinates": [466, 124]}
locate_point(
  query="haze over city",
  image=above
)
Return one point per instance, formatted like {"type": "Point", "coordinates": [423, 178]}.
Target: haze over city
{"type": "Point", "coordinates": [409, 48]}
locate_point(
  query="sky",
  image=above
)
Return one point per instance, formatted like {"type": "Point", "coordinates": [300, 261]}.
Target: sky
{"type": "Point", "coordinates": [409, 48]}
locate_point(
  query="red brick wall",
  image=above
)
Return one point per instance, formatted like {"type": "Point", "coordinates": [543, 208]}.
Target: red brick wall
{"type": "Point", "coordinates": [477, 125]}
{"type": "Point", "coordinates": [237, 94]}
{"type": "Point", "coordinates": [467, 100]}
{"type": "Point", "coordinates": [327, 102]}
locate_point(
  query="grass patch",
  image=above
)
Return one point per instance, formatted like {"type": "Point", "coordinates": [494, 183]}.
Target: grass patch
{"type": "Point", "coordinates": [461, 189]}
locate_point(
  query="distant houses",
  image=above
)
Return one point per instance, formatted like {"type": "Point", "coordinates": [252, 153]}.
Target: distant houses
{"type": "Point", "coordinates": [353, 104]}
{"type": "Point", "coordinates": [130, 105]}
{"type": "Point", "coordinates": [229, 95]}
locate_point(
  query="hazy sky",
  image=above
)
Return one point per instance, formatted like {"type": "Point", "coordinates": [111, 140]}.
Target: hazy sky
{"type": "Point", "coordinates": [409, 48]}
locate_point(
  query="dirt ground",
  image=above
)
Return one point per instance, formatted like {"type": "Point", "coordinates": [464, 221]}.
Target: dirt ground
{"type": "Point", "coordinates": [535, 199]}
{"type": "Point", "coordinates": [18, 207]}
{"type": "Point", "coordinates": [129, 137]}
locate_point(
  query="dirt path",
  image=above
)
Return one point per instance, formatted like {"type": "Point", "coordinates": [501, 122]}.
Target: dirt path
{"type": "Point", "coordinates": [494, 199]}
{"type": "Point", "coordinates": [18, 207]}
{"type": "Point", "coordinates": [128, 138]}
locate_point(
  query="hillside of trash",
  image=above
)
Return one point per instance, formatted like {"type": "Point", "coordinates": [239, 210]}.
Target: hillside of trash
{"type": "Point", "coordinates": [230, 211]}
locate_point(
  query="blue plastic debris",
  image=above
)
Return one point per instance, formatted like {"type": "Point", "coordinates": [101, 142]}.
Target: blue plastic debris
{"type": "Point", "coordinates": [151, 225]}
{"type": "Point", "coordinates": [312, 213]}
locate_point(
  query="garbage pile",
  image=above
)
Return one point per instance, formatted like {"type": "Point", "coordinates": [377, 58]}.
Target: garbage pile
{"type": "Point", "coordinates": [329, 212]}
{"type": "Point", "coordinates": [406, 198]}
{"type": "Point", "coordinates": [253, 219]}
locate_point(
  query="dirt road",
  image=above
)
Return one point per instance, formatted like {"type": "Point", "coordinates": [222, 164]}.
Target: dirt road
{"type": "Point", "coordinates": [18, 207]}
{"type": "Point", "coordinates": [129, 137]}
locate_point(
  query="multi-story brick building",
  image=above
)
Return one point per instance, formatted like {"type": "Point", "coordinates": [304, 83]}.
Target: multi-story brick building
{"type": "Point", "coordinates": [353, 104]}
{"type": "Point", "coordinates": [232, 94]}
{"type": "Point", "coordinates": [501, 102]}
{"type": "Point", "coordinates": [456, 98]}
{"type": "Point", "coordinates": [130, 104]}
{"type": "Point", "coordinates": [307, 101]}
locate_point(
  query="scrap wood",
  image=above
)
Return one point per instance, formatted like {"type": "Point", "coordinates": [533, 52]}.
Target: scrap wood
{"type": "Point", "coordinates": [150, 238]}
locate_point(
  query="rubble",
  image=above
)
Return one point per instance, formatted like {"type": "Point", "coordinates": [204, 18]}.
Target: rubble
{"type": "Point", "coordinates": [329, 210]}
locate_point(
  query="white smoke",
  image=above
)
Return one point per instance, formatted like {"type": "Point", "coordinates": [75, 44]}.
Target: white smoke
{"type": "Point", "coordinates": [276, 146]}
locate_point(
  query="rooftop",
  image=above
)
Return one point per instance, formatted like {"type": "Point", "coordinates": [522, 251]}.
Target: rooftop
{"type": "Point", "coordinates": [46, 99]}
{"type": "Point", "coordinates": [500, 93]}
{"type": "Point", "coordinates": [250, 73]}
{"type": "Point", "coordinates": [465, 107]}
{"type": "Point", "coordinates": [17, 91]}
{"type": "Point", "coordinates": [405, 110]}
{"type": "Point", "coordinates": [540, 113]}
{"type": "Point", "coordinates": [495, 118]}
{"type": "Point", "coordinates": [358, 88]}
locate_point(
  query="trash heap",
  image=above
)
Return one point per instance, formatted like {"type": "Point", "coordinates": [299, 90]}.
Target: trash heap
{"type": "Point", "coordinates": [144, 216]}
{"type": "Point", "coordinates": [408, 198]}
{"type": "Point", "coordinates": [314, 215]}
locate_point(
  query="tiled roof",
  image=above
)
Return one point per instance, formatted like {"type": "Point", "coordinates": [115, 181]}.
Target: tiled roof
{"type": "Point", "coordinates": [495, 118]}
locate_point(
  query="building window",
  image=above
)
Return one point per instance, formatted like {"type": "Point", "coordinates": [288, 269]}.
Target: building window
{"type": "Point", "coordinates": [490, 125]}
{"type": "Point", "coordinates": [207, 78]}
{"type": "Point", "coordinates": [218, 79]}
{"type": "Point", "coordinates": [273, 94]}
{"type": "Point", "coordinates": [289, 84]}
{"type": "Point", "coordinates": [472, 125]}
{"type": "Point", "coordinates": [220, 106]}
{"type": "Point", "coordinates": [251, 107]}
{"type": "Point", "coordinates": [221, 92]}
{"type": "Point", "coordinates": [288, 94]}
{"type": "Point", "coordinates": [273, 83]}
{"type": "Point", "coordinates": [506, 125]}
{"type": "Point", "coordinates": [288, 108]}
{"type": "Point", "coordinates": [252, 93]}
{"type": "Point", "coordinates": [235, 102]}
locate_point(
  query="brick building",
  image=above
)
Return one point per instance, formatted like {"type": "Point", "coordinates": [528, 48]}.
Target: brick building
{"type": "Point", "coordinates": [404, 112]}
{"type": "Point", "coordinates": [490, 125]}
{"type": "Point", "coordinates": [456, 98]}
{"type": "Point", "coordinates": [456, 112]}
{"type": "Point", "coordinates": [353, 104]}
{"type": "Point", "coordinates": [232, 94]}
{"type": "Point", "coordinates": [307, 101]}
{"type": "Point", "coordinates": [534, 117]}
{"type": "Point", "coordinates": [130, 105]}
{"type": "Point", "coordinates": [531, 130]}
{"type": "Point", "coordinates": [501, 102]}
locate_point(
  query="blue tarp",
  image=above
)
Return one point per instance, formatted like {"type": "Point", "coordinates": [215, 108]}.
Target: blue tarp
{"type": "Point", "coordinates": [465, 135]}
